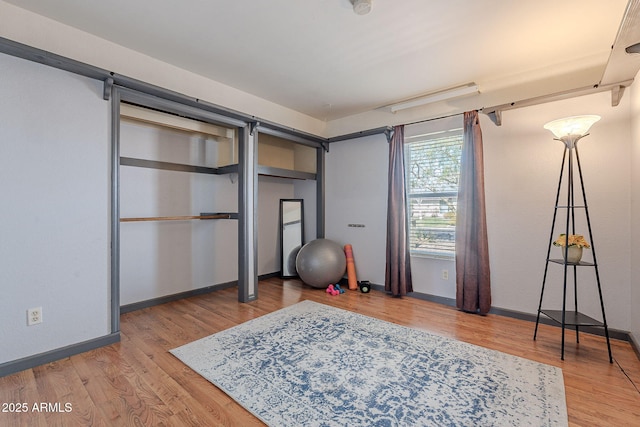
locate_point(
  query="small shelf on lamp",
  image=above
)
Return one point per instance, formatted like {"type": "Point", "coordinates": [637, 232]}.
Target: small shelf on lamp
{"type": "Point", "coordinates": [579, 264]}
{"type": "Point", "coordinates": [571, 318]}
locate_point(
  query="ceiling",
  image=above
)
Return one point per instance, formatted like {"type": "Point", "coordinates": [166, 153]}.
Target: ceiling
{"type": "Point", "coordinates": [319, 58]}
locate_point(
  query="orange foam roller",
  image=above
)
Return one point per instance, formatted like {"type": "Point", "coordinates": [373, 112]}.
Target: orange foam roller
{"type": "Point", "coordinates": [351, 268]}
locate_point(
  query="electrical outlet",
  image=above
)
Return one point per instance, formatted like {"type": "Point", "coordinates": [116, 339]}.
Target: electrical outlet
{"type": "Point", "coordinates": [34, 316]}
{"type": "Point", "coordinates": [445, 274]}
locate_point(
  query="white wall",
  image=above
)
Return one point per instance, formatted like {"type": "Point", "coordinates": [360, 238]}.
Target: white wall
{"type": "Point", "coordinates": [634, 96]}
{"type": "Point", "coordinates": [54, 181]}
{"type": "Point", "coordinates": [521, 175]}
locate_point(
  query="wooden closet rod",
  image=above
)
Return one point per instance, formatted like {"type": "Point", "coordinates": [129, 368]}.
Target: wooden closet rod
{"type": "Point", "coordinates": [182, 217]}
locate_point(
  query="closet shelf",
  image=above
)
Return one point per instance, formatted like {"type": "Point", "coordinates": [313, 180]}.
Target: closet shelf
{"type": "Point", "coordinates": [284, 173]}
{"type": "Point", "coordinates": [227, 215]}
{"type": "Point", "coordinates": [181, 167]}
{"type": "Point", "coordinates": [580, 264]}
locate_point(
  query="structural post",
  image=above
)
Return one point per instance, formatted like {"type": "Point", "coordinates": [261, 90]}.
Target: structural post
{"type": "Point", "coordinates": [320, 189]}
{"type": "Point", "coordinates": [115, 209]}
{"type": "Point", "coordinates": [247, 213]}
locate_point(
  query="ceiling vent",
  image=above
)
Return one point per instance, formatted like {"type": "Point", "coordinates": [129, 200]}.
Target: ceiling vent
{"type": "Point", "coordinates": [361, 7]}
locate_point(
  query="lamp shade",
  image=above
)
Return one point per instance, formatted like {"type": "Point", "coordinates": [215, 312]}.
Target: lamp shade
{"type": "Point", "coordinates": [576, 125]}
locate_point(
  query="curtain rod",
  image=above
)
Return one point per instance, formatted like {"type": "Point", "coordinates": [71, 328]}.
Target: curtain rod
{"type": "Point", "coordinates": [387, 130]}
{"type": "Point", "coordinates": [427, 120]}
{"type": "Point", "coordinates": [433, 118]}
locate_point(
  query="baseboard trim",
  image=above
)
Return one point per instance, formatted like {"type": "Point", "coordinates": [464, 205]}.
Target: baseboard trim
{"type": "Point", "coordinates": [29, 362]}
{"type": "Point", "coordinates": [613, 333]}
{"type": "Point", "coordinates": [634, 345]}
{"type": "Point", "coordinates": [186, 294]}
{"type": "Point", "coordinates": [269, 275]}
{"type": "Point", "coordinates": [174, 297]}
{"type": "Point", "coordinates": [433, 298]}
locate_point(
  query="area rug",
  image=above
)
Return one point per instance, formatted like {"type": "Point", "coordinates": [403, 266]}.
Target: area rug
{"type": "Point", "coordinates": [315, 365]}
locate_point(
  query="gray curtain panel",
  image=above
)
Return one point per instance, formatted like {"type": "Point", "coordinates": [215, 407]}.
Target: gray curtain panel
{"type": "Point", "coordinates": [398, 267]}
{"type": "Point", "coordinates": [473, 279]}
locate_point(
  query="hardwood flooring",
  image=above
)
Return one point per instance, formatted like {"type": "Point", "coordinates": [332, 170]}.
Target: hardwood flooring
{"type": "Point", "coordinates": [137, 382]}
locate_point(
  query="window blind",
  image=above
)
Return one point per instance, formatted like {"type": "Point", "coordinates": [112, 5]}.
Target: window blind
{"type": "Point", "coordinates": [432, 175]}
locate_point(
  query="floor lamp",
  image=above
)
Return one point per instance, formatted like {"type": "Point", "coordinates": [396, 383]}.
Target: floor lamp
{"type": "Point", "coordinates": [570, 130]}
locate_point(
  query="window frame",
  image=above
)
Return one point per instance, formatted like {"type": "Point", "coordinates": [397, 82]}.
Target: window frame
{"type": "Point", "coordinates": [423, 135]}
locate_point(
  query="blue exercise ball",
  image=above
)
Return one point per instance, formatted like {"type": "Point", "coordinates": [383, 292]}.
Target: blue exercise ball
{"type": "Point", "coordinates": [321, 263]}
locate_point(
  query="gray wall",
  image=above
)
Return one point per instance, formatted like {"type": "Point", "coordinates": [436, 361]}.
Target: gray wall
{"type": "Point", "coordinates": [356, 193]}
{"type": "Point", "coordinates": [54, 182]}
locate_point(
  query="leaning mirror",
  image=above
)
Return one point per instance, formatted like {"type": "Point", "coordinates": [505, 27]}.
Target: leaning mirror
{"type": "Point", "coordinates": [291, 234]}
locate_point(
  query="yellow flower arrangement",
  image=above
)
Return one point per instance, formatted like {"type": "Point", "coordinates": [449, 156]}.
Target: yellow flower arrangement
{"type": "Point", "coordinates": [574, 240]}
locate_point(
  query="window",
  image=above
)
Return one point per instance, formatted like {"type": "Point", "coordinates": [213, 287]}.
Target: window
{"type": "Point", "coordinates": [432, 162]}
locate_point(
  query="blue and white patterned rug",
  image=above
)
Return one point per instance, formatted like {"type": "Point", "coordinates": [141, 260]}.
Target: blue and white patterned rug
{"type": "Point", "coordinates": [316, 365]}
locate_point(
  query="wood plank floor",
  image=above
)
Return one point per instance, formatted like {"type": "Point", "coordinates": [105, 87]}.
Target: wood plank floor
{"type": "Point", "coordinates": [137, 382]}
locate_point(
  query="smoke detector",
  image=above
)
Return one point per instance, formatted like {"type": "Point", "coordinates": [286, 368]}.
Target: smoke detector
{"type": "Point", "coordinates": [361, 7]}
